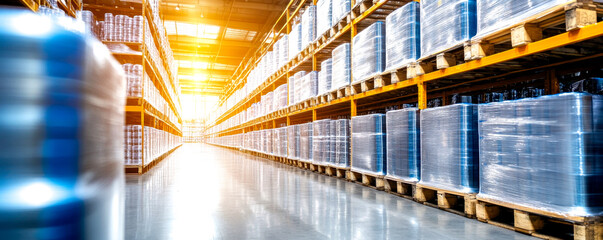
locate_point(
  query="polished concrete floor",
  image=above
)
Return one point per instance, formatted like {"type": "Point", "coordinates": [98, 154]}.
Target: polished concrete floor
{"type": "Point", "coordinates": [207, 192]}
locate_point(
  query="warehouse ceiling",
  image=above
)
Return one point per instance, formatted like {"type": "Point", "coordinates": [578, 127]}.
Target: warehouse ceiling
{"type": "Point", "coordinates": [210, 38]}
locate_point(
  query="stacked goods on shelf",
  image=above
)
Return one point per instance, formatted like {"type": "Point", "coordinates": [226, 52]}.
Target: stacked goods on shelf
{"type": "Point", "coordinates": [134, 79]}
{"type": "Point", "coordinates": [446, 25]}
{"type": "Point", "coordinates": [291, 90]}
{"type": "Point", "coordinates": [324, 76]}
{"type": "Point", "coordinates": [309, 86]}
{"type": "Point", "coordinates": [62, 112]}
{"type": "Point", "coordinates": [268, 141]}
{"type": "Point", "coordinates": [543, 153]}
{"type": "Point", "coordinates": [332, 157]}
{"type": "Point", "coordinates": [118, 28]}
{"type": "Point", "coordinates": [341, 8]}
{"type": "Point", "coordinates": [305, 142]}
{"type": "Point", "coordinates": [156, 143]}
{"type": "Point", "coordinates": [298, 86]}
{"type": "Point", "coordinates": [495, 15]}
{"type": "Point", "coordinates": [321, 141]}
{"type": "Point", "coordinates": [281, 96]}
{"type": "Point", "coordinates": [368, 54]}
{"type": "Point", "coordinates": [402, 36]}
{"type": "Point", "coordinates": [324, 16]}
{"type": "Point", "coordinates": [341, 67]}
{"type": "Point", "coordinates": [589, 85]}
{"type": "Point", "coordinates": [293, 142]}
{"type": "Point", "coordinates": [282, 141]}
{"type": "Point", "coordinates": [295, 41]}
{"type": "Point", "coordinates": [403, 142]}
{"type": "Point", "coordinates": [449, 148]}
{"type": "Point", "coordinates": [368, 144]}
{"type": "Point", "coordinates": [282, 51]}
{"type": "Point", "coordinates": [308, 24]}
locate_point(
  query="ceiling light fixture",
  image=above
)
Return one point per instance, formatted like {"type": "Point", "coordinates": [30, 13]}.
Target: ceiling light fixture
{"type": "Point", "coordinates": [178, 8]}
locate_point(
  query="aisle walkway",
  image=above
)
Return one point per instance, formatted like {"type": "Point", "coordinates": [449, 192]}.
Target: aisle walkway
{"type": "Point", "coordinates": [207, 192]}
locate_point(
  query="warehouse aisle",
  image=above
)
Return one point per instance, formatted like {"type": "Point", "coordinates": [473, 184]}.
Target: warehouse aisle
{"type": "Point", "coordinates": [206, 192]}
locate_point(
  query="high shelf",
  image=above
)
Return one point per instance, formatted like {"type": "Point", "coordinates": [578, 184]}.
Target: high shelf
{"type": "Point", "coordinates": [70, 7]}
{"type": "Point", "coordinates": [544, 53]}
{"type": "Point", "coordinates": [153, 104]}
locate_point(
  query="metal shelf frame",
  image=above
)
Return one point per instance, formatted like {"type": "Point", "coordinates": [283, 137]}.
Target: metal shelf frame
{"type": "Point", "coordinates": [417, 87]}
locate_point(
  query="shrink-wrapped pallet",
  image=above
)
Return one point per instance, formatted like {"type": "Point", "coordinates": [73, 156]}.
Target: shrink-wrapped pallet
{"type": "Point", "coordinates": [368, 144]}
{"type": "Point", "coordinates": [62, 107]}
{"type": "Point", "coordinates": [305, 142]}
{"type": "Point", "coordinates": [449, 148]}
{"type": "Point", "coordinates": [283, 51]}
{"type": "Point", "coordinates": [342, 143]}
{"type": "Point", "coordinates": [544, 153]}
{"type": "Point", "coordinates": [291, 90]}
{"type": "Point", "coordinates": [342, 66]}
{"type": "Point", "coordinates": [308, 23]}
{"type": "Point", "coordinates": [341, 8]}
{"type": "Point", "coordinates": [324, 16]}
{"type": "Point", "coordinates": [403, 144]}
{"type": "Point", "coordinates": [495, 15]}
{"type": "Point", "coordinates": [283, 139]}
{"type": "Point", "coordinates": [332, 143]}
{"type": "Point", "coordinates": [295, 42]}
{"type": "Point", "coordinates": [402, 36]}
{"type": "Point", "coordinates": [299, 86]}
{"type": "Point", "coordinates": [293, 142]}
{"type": "Point", "coordinates": [446, 24]}
{"type": "Point", "coordinates": [309, 86]}
{"type": "Point", "coordinates": [324, 76]}
{"type": "Point", "coordinates": [320, 141]}
{"type": "Point", "coordinates": [368, 54]}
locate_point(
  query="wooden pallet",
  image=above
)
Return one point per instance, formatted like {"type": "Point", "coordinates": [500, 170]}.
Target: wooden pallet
{"type": "Point", "coordinates": [339, 26]}
{"type": "Point", "coordinates": [369, 180]}
{"type": "Point", "coordinates": [460, 203]}
{"type": "Point", "coordinates": [574, 15]}
{"type": "Point", "coordinates": [400, 187]}
{"type": "Point", "coordinates": [336, 171]}
{"type": "Point", "coordinates": [537, 222]}
{"type": "Point", "coordinates": [370, 83]}
{"type": "Point", "coordinates": [139, 169]}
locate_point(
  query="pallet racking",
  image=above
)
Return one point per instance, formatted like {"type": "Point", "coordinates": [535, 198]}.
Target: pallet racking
{"type": "Point", "coordinates": [138, 110]}
{"type": "Point", "coordinates": [70, 7]}
{"type": "Point", "coordinates": [537, 52]}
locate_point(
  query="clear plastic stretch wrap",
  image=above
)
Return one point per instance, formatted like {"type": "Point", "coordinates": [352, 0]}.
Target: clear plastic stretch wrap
{"type": "Point", "coordinates": [282, 142]}
{"type": "Point", "coordinates": [403, 144]}
{"type": "Point", "coordinates": [295, 42]}
{"type": "Point", "coordinates": [342, 143]}
{"type": "Point", "coordinates": [324, 16]}
{"type": "Point", "coordinates": [368, 144]}
{"type": "Point", "coordinates": [269, 140]}
{"type": "Point", "coordinates": [333, 143]}
{"type": "Point", "coordinates": [283, 50]}
{"type": "Point", "coordinates": [402, 36]}
{"type": "Point", "coordinates": [446, 24]}
{"type": "Point", "coordinates": [309, 86]}
{"type": "Point", "coordinates": [342, 66]}
{"type": "Point", "coordinates": [308, 26]}
{"type": "Point", "coordinates": [341, 8]}
{"type": "Point", "coordinates": [449, 148]}
{"type": "Point", "coordinates": [368, 54]}
{"type": "Point", "coordinates": [321, 141]}
{"type": "Point", "coordinates": [324, 76]}
{"type": "Point", "coordinates": [493, 15]}
{"type": "Point", "coordinates": [62, 108]}
{"type": "Point", "coordinates": [293, 142]}
{"type": "Point", "coordinates": [544, 153]}
{"type": "Point", "coordinates": [291, 90]}
{"type": "Point", "coordinates": [299, 85]}
{"type": "Point", "coordinates": [305, 142]}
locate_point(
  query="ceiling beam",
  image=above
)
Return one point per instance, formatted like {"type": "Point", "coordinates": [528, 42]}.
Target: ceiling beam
{"type": "Point", "coordinates": [193, 41]}
{"type": "Point", "coordinates": [194, 17]}
{"type": "Point", "coordinates": [224, 4]}
{"type": "Point", "coordinates": [215, 72]}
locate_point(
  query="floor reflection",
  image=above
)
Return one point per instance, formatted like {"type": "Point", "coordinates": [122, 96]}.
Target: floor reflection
{"type": "Point", "coordinates": [207, 192]}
